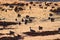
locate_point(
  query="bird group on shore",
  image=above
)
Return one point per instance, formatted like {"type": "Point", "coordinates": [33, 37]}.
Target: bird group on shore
{"type": "Point", "coordinates": [33, 31]}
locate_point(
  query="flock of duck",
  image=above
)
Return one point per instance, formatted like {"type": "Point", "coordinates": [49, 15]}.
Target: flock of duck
{"type": "Point", "coordinates": [28, 19]}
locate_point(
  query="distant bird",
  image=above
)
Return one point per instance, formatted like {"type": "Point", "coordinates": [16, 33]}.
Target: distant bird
{"type": "Point", "coordinates": [53, 7]}
{"type": "Point", "coordinates": [30, 20]}
{"type": "Point", "coordinates": [17, 9]}
{"type": "Point", "coordinates": [26, 21]}
{"type": "Point", "coordinates": [31, 2]}
{"type": "Point", "coordinates": [11, 6]}
{"type": "Point", "coordinates": [27, 4]}
{"type": "Point", "coordinates": [50, 14]}
{"type": "Point", "coordinates": [40, 28]}
{"type": "Point", "coordinates": [57, 11]}
{"type": "Point", "coordinates": [59, 29]}
{"type": "Point", "coordinates": [34, 5]}
{"type": "Point", "coordinates": [45, 7]}
{"type": "Point", "coordinates": [27, 16]}
{"type": "Point", "coordinates": [15, 19]}
{"type": "Point", "coordinates": [56, 4]}
{"type": "Point", "coordinates": [48, 18]}
{"type": "Point", "coordinates": [47, 4]}
{"type": "Point", "coordinates": [19, 23]}
{"type": "Point", "coordinates": [31, 30]}
{"type": "Point", "coordinates": [40, 5]}
{"type": "Point", "coordinates": [18, 15]}
{"type": "Point", "coordinates": [52, 19]}
{"type": "Point", "coordinates": [30, 7]}
{"type": "Point", "coordinates": [2, 9]}
{"type": "Point", "coordinates": [22, 20]}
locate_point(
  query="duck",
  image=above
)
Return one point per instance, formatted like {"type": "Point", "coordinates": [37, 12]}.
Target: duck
{"type": "Point", "coordinates": [40, 28]}
{"type": "Point", "coordinates": [31, 30]}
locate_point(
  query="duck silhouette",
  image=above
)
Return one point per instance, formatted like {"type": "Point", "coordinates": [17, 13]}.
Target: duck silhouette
{"type": "Point", "coordinates": [31, 30]}
{"type": "Point", "coordinates": [40, 28]}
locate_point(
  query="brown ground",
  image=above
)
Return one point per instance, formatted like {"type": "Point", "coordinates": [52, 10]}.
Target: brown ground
{"type": "Point", "coordinates": [35, 11]}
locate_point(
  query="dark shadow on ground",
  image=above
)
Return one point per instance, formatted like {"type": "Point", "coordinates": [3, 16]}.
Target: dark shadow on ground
{"type": "Point", "coordinates": [6, 28]}
{"type": "Point", "coordinates": [5, 24]}
{"type": "Point", "coordinates": [1, 34]}
{"type": "Point", "coordinates": [45, 33]}
{"type": "Point", "coordinates": [57, 39]}
{"type": "Point", "coordinates": [18, 4]}
{"type": "Point", "coordinates": [12, 38]}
